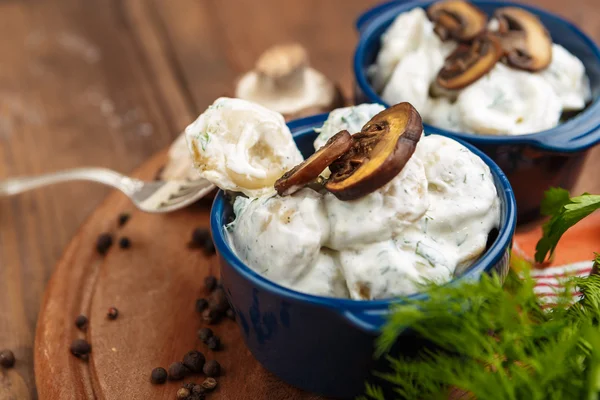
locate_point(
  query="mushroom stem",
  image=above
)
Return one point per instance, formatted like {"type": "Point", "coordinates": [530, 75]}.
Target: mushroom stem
{"type": "Point", "coordinates": [282, 67]}
{"type": "Point", "coordinates": [283, 81]}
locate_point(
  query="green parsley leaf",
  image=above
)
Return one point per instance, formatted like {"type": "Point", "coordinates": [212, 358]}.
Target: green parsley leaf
{"type": "Point", "coordinates": [565, 212]}
{"type": "Point", "coordinates": [554, 199]}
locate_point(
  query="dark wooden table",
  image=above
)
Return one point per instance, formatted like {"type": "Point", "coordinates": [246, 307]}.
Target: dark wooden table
{"type": "Point", "coordinates": [109, 83]}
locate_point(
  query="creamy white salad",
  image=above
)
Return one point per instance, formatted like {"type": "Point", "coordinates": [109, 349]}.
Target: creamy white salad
{"type": "Point", "coordinates": [426, 224]}
{"type": "Point", "coordinates": [506, 101]}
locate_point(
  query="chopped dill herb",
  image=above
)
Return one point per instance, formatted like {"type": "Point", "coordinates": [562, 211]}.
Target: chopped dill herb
{"type": "Point", "coordinates": [420, 252]}
{"type": "Point", "coordinates": [424, 224]}
{"type": "Point", "coordinates": [204, 139]}
{"type": "Point", "coordinates": [498, 99]}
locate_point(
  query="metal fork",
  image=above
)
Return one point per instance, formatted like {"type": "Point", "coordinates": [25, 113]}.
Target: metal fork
{"type": "Point", "coordinates": [152, 197]}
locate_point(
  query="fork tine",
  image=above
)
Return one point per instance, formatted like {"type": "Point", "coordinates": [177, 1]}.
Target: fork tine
{"type": "Point", "coordinates": [185, 190]}
{"type": "Point", "coordinates": [182, 196]}
{"type": "Point", "coordinates": [196, 183]}
{"type": "Point", "coordinates": [170, 196]}
{"type": "Point", "coordinates": [173, 201]}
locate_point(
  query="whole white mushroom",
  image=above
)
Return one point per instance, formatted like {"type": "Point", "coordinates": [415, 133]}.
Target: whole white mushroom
{"type": "Point", "coordinates": [283, 81]}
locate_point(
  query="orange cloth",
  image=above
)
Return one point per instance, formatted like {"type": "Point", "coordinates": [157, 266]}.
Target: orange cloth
{"type": "Point", "coordinates": [573, 255]}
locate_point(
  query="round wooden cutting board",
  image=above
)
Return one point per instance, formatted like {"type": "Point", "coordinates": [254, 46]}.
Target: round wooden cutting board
{"type": "Point", "coordinates": [154, 284]}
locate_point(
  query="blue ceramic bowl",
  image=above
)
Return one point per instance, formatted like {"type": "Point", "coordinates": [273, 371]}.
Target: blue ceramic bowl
{"type": "Point", "coordinates": [532, 162]}
{"type": "Point", "coordinates": [320, 344]}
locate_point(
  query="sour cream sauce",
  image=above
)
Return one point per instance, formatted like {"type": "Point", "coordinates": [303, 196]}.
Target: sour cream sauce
{"type": "Point", "coordinates": [504, 102]}
{"type": "Point", "coordinates": [430, 220]}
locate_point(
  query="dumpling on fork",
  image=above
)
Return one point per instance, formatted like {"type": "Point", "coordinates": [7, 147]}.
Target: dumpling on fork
{"type": "Point", "coordinates": [241, 146]}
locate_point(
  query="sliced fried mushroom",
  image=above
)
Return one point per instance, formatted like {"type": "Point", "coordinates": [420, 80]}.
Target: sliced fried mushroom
{"type": "Point", "coordinates": [469, 62]}
{"type": "Point", "coordinates": [436, 91]}
{"type": "Point", "coordinates": [307, 171]}
{"type": "Point", "coordinates": [457, 19]}
{"type": "Point", "coordinates": [525, 40]}
{"type": "Point", "coordinates": [380, 151]}
{"type": "Point", "coordinates": [283, 81]}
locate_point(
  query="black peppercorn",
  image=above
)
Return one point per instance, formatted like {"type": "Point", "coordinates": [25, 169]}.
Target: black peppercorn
{"type": "Point", "coordinates": [198, 390]}
{"type": "Point", "coordinates": [209, 247]}
{"type": "Point", "coordinates": [209, 384]}
{"type": "Point", "coordinates": [183, 393]}
{"type": "Point", "coordinates": [177, 371]}
{"type": "Point", "coordinates": [7, 359]}
{"type": "Point", "coordinates": [204, 334]}
{"type": "Point", "coordinates": [124, 243]}
{"type": "Point", "coordinates": [218, 301]}
{"type": "Point", "coordinates": [158, 376]}
{"type": "Point", "coordinates": [199, 236]}
{"type": "Point", "coordinates": [214, 343]}
{"type": "Point", "coordinates": [210, 283]}
{"type": "Point", "coordinates": [80, 348]}
{"type": "Point", "coordinates": [194, 361]}
{"type": "Point", "coordinates": [201, 305]}
{"type": "Point", "coordinates": [201, 240]}
{"type": "Point", "coordinates": [212, 369]}
{"type": "Point", "coordinates": [123, 218]}
{"type": "Point", "coordinates": [103, 243]}
{"type": "Point", "coordinates": [210, 316]}
{"type": "Point", "coordinates": [81, 322]}
{"type": "Point", "coordinates": [189, 386]}
{"type": "Point", "coordinates": [112, 313]}
{"type": "Point", "coordinates": [230, 314]}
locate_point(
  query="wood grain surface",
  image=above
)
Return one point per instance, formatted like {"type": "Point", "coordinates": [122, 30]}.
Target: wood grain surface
{"type": "Point", "coordinates": [111, 82]}
{"type": "Point", "coordinates": [154, 285]}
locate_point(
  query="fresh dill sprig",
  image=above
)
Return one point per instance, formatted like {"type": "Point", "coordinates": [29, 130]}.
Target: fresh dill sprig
{"type": "Point", "coordinates": [496, 342]}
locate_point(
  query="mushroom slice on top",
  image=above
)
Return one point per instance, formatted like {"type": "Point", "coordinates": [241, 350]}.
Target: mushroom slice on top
{"type": "Point", "coordinates": [525, 40]}
{"type": "Point", "coordinates": [469, 62]}
{"type": "Point", "coordinates": [380, 151]}
{"type": "Point", "coordinates": [457, 19]}
{"type": "Point", "coordinates": [307, 171]}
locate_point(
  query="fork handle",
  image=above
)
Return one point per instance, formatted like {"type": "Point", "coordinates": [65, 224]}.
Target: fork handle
{"type": "Point", "coordinates": [106, 176]}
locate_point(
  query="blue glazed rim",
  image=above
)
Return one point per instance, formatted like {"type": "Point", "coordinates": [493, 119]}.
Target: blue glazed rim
{"type": "Point", "coordinates": [367, 315]}
{"type": "Point", "coordinates": [577, 134]}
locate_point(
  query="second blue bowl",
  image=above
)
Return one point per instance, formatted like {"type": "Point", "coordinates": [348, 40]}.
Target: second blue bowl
{"type": "Point", "coordinates": [532, 162]}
